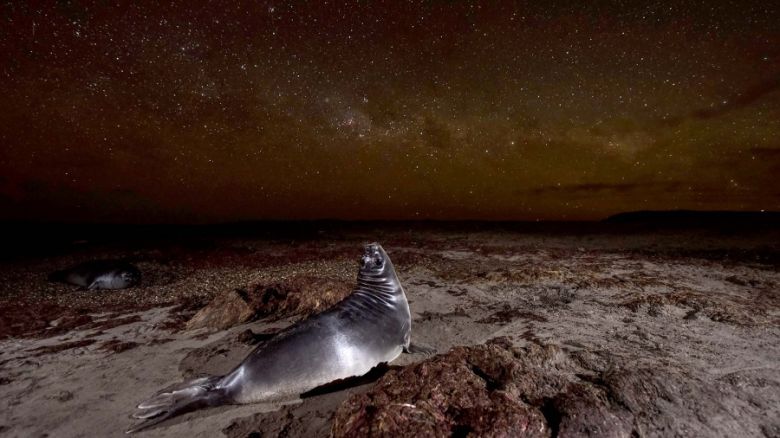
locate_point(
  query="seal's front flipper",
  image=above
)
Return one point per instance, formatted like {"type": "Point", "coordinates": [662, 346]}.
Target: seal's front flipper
{"type": "Point", "coordinates": [415, 348]}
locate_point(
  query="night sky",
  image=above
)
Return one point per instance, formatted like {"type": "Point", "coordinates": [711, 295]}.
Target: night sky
{"type": "Point", "coordinates": [387, 110]}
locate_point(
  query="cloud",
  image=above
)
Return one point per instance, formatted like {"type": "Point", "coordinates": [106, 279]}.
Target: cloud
{"type": "Point", "coordinates": [733, 103]}
{"type": "Point", "coordinates": [603, 188]}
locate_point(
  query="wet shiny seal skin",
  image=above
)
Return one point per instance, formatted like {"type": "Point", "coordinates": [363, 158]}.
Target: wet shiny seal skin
{"type": "Point", "coordinates": [370, 327]}
{"type": "Point", "coordinates": [99, 274]}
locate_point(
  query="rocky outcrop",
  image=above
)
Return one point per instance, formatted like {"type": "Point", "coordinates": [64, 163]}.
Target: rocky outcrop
{"type": "Point", "coordinates": [540, 391]}
{"type": "Point", "coordinates": [467, 390]}
{"type": "Point", "coordinates": [296, 296]}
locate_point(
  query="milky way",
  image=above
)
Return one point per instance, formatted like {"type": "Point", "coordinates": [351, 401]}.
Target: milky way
{"type": "Point", "coordinates": [387, 110]}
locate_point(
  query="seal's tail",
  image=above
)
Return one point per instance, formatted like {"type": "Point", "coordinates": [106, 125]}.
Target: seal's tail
{"type": "Point", "coordinates": [185, 397]}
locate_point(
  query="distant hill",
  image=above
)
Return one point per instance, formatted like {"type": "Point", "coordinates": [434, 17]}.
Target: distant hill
{"type": "Point", "coordinates": [696, 218]}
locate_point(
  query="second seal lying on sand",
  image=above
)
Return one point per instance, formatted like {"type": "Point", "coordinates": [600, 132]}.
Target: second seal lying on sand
{"type": "Point", "coordinates": [100, 274]}
{"type": "Point", "coordinates": [369, 327]}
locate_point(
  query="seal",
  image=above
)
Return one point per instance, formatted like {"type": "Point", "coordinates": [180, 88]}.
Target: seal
{"type": "Point", "coordinates": [369, 327]}
{"type": "Point", "coordinates": [99, 274]}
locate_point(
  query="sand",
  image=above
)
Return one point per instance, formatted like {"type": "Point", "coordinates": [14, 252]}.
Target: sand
{"type": "Point", "coordinates": [696, 301]}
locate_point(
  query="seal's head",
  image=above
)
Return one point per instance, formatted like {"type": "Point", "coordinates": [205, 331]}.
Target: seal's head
{"type": "Point", "coordinates": [375, 261]}
{"type": "Point", "coordinates": [117, 277]}
{"type": "Point", "coordinates": [130, 275]}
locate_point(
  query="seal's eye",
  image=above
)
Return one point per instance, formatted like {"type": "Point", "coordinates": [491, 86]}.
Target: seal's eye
{"type": "Point", "coordinates": [378, 261]}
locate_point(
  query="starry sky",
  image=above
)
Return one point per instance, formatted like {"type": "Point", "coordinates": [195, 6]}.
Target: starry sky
{"type": "Point", "coordinates": [555, 110]}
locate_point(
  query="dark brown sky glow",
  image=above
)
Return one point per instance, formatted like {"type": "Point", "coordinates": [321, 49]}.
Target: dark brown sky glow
{"type": "Point", "coordinates": [387, 110]}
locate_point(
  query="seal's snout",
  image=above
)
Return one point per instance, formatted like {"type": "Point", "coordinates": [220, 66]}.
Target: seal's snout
{"type": "Point", "coordinates": [373, 257]}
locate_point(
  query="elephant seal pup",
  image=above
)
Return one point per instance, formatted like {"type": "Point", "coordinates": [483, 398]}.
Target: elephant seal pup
{"type": "Point", "coordinates": [369, 327]}
{"type": "Point", "coordinates": [100, 274]}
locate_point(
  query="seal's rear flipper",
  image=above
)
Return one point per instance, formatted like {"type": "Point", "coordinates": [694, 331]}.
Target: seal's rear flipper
{"type": "Point", "coordinates": [415, 348]}
{"type": "Point", "coordinates": [188, 396]}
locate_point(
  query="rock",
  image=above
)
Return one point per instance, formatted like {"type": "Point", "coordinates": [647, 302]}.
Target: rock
{"type": "Point", "coordinates": [498, 390]}
{"type": "Point", "coordinates": [224, 311]}
{"type": "Point", "coordinates": [450, 395]}
{"type": "Point", "coordinates": [298, 296]}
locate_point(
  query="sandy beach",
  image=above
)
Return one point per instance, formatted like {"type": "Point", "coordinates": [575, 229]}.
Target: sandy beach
{"type": "Point", "coordinates": [693, 316]}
